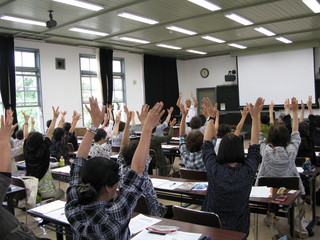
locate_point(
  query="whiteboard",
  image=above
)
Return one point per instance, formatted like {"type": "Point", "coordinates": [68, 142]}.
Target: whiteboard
{"type": "Point", "coordinates": [276, 76]}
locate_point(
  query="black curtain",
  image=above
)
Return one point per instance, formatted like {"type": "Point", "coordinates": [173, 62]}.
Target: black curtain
{"type": "Point", "coordinates": [7, 74]}
{"type": "Point", "coordinates": [161, 81]}
{"type": "Point", "coordinates": [106, 58]}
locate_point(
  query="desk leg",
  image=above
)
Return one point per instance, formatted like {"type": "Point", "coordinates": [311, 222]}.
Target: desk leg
{"type": "Point", "coordinates": [291, 221]}
{"type": "Point", "coordinates": [59, 234]}
{"type": "Point", "coordinates": [315, 219]}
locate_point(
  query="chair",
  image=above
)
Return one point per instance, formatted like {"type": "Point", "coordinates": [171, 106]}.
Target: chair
{"type": "Point", "coordinates": [142, 206]}
{"type": "Point", "coordinates": [197, 217]}
{"type": "Point", "coordinates": [277, 182]}
{"type": "Point", "coordinates": [20, 195]}
{"type": "Point", "coordinates": [193, 174]}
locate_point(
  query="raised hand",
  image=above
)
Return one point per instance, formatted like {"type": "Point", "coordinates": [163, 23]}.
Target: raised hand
{"type": "Point", "coordinates": [208, 107]}
{"type": "Point", "coordinates": [309, 102]}
{"type": "Point", "coordinates": [126, 110]}
{"type": "Point", "coordinates": [287, 106]}
{"type": "Point", "coordinates": [76, 116]}
{"type": "Point", "coordinates": [55, 112]}
{"type": "Point", "coordinates": [118, 117]}
{"type": "Point", "coordinates": [183, 109]}
{"type": "Point", "coordinates": [173, 122]}
{"type": "Point", "coordinates": [143, 113]}
{"type": "Point", "coordinates": [153, 116]}
{"type": "Point", "coordinates": [271, 106]}
{"type": "Point", "coordinates": [170, 110]}
{"type": "Point", "coordinates": [95, 112]}
{"type": "Point", "coordinates": [6, 125]}
{"type": "Point", "coordinates": [256, 108]}
{"type": "Point", "coordinates": [25, 116]}
{"type": "Point", "coordinates": [294, 105]}
{"type": "Point", "coordinates": [244, 112]}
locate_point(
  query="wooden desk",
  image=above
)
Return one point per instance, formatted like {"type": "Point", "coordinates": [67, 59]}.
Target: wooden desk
{"type": "Point", "coordinates": [63, 228]}
{"type": "Point", "coordinates": [10, 196]}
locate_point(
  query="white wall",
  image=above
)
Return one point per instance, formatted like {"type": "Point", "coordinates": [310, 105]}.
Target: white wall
{"type": "Point", "coordinates": [62, 87]}
{"type": "Point", "coordinates": [189, 73]}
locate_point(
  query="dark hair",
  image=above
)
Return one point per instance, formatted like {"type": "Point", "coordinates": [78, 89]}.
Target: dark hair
{"type": "Point", "coordinates": [231, 149]}
{"type": "Point", "coordinates": [223, 130]}
{"type": "Point", "coordinates": [265, 119]}
{"type": "Point", "coordinates": [96, 173]}
{"type": "Point", "coordinates": [58, 134]}
{"type": "Point", "coordinates": [194, 141]}
{"type": "Point", "coordinates": [304, 129]}
{"type": "Point", "coordinates": [121, 126]}
{"type": "Point", "coordinates": [278, 135]}
{"type": "Point", "coordinates": [66, 126]}
{"type": "Point", "coordinates": [101, 134]}
{"type": "Point", "coordinates": [19, 134]}
{"type": "Point", "coordinates": [48, 123]}
{"type": "Point", "coordinates": [128, 151]}
{"type": "Point", "coordinates": [195, 122]}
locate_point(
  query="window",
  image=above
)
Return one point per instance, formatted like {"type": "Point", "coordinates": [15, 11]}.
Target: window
{"type": "Point", "coordinates": [90, 84]}
{"type": "Point", "coordinates": [118, 98]}
{"type": "Point", "coordinates": [28, 95]}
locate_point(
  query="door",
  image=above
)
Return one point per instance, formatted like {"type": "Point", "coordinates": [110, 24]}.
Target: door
{"type": "Point", "coordinates": [205, 92]}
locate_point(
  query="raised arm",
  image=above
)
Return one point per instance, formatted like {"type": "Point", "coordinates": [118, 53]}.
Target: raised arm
{"type": "Point", "coordinates": [244, 113]}
{"type": "Point", "coordinates": [62, 119]}
{"type": "Point", "coordinates": [170, 110]}
{"type": "Point", "coordinates": [116, 125]}
{"type": "Point", "coordinates": [5, 153]}
{"type": "Point", "coordinates": [125, 137]}
{"type": "Point", "coordinates": [33, 122]}
{"type": "Point", "coordinates": [142, 151]}
{"type": "Point", "coordinates": [210, 131]}
{"type": "Point", "coordinates": [302, 112]}
{"type": "Point", "coordinates": [25, 127]}
{"type": "Point", "coordinates": [96, 118]}
{"type": "Point", "coordinates": [75, 118]}
{"type": "Point", "coordinates": [271, 107]}
{"type": "Point", "coordinates": [255, 112]}
{"type": "Point", "coordinates": [287, 106]}
{"type": "Point", "coordinates": [309, 105]}
{"type": "Point", "coordinates": [179, 99]}
{"type": "Point", "coordinates": [53, 122]}
{"type": "Point", "coordinates": [143, 113]}
{"type": "Point", "coordinates": [184, 112]}
{"type": "Point", "coordinates": [295, 107]}
{"type": "Point", "coordinates": [195, 101]}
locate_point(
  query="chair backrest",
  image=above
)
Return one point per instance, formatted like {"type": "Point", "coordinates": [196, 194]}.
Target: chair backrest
{"type": "Point", "coordinates": [193, 174]}
{"type": "Point", "coordinates": [19, 158]}
{"type": "Point", "coordinates": [80, 131]}
{"type": "Point", "coordinates": [300, 161]}
{"type": "Point", "coordinates": [277, 182]}
{"type": "Point", "coordinates": [153, 163]}
{"type": "Point", "coordinates": [195, 216]}
{"type": "Point", "coordinates": [18, 182]}
{"type": "Point", "coordinates": [115, 149]}
{"type": "Point", "coordinates": [142, 206]}
{"type": "Point", "coordinates": [70, 147]}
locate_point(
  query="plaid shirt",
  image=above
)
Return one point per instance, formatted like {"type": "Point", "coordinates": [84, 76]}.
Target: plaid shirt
{"type": "Point", "coordinates": [190, 160]}
{"type": "Point", "coordinates": [100, 219]}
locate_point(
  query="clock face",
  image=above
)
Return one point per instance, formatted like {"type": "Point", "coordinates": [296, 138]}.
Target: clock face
{"type": "Point", "coordinates": [204, 72]}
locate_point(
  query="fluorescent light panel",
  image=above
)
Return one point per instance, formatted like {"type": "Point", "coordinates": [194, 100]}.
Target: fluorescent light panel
{"type": "Point", "coordinates": [284, 40]}
{"type": "Point", "coordinates": [265, 31]}
{"type": "Point", "coordinates": [181, 30]}
{"type": "Point", "coordinates": [238, 19]}
{"type": "Point", "coordinates": [81, 4]}
{"type": "Point", "coordinates": [168, 46]}
{"type": "Point", "coordinates": [196, 52]}
{"type": "Point", "coordinates": [237, 46]}
{"type": "Point", "coordinates": [81, 30]}
{"type": "Point", "coordinates": [134, 40]}
{"type": "Point", "coordinates": [205, 4]}
{"type": "Point", "coordinates": [137, 18]}
{"type": "Point", "coordinates": [23, 20]}
{"type": "Point", "coordinates": [213, 39]}
{"type": "Point", "coordinates": [314, 5]}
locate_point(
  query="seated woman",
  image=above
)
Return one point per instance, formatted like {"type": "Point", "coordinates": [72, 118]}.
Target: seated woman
{"type": "Point", "coordinates": [92, 209]}
{"type": "Point", "coordinates": [101, 146]}
{"type": "Point", "coordinates": [126, 153]}
{"type": "Point", "coordinates": [279, 152]}
{"type": "Point", "coordinates": [117, 131]}
{"type": "Point", "coordinates": [36, 150]}
{"type": "Point", "coordinates": [230, 175]}
{"type": "Point", "coordinates": [108, 121]}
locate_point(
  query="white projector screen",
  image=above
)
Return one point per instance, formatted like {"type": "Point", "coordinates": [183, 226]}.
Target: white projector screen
{"type": "Point", "coordinates": [276, 76]}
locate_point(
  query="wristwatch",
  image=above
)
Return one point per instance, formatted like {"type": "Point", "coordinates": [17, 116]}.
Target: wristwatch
{"type": "Point", "coordinates": [93, 129]}
{"type": "Point", "coordinates": [211, 118]}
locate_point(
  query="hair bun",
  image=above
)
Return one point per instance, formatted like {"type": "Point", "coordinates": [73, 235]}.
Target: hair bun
{"type": "Point", "coordinates": [86, 193]}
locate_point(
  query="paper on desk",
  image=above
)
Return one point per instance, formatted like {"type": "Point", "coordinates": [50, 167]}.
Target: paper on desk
{"type": "Point", "coordinates": [157, 181]}
{"type": "Point", "coordinates": [175, 138]}
{"type": "Point", "coordinates": [115, 156]}
{"type": "Point", "coordinates": [58, 214]}
{"type": "Point", "coordinates": [141, 222]}
{"type": "Point", "coordinates": [65, 169]}
{"type": "Point", "coordinates": [179, 235]}
{"type": "Point", "coordinates": [170, 185]}
{"type": "Point", "coordinates": [300, 169]}
{"type": "Point", "coordinates": [168, 146]}
{"type": "Point", "coordinates": [260, 192]}
{"type": "Point", "coordinates": [49, 207]}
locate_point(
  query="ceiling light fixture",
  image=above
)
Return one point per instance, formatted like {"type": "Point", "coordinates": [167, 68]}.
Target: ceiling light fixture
{"type": "Point", "coordinates": [168, 46]}
{"type": "Point", "coordinates": [284, 40]}
{"type": "Point", "coordinates": [137, 18]}
{"type": "Point", "coordinates": [213, 39]}
{"type": "Point", "coordinates": [23, 20]}
{"type": "Point", "coordinates": [265, 31]}
{"type": "Point", "coordinates": [238, 19]}
{"type": "Point", "coordinates": [181, 30]}
{"type": "Point", "coordinates": [314, 5]}
{"type": "Point", "coordinates": [205, 4]}
{"type": "Point", "coordinates": [81, 30]}
{"type": "Point", "coordinates": [196, 52]}
{"type": "Point", "coordinates": [237, 46]}
{"type": "Point", "coordinates": [133, 40]}
{"type": "Point", "coordinates": [86, 5]}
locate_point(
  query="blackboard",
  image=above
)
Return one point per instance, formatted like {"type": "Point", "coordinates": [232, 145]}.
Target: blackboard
{"type": "Point", "coordinates": [229, 95]}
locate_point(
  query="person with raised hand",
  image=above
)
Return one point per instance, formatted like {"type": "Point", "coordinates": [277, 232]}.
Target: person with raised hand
{"type": "Point", "coordinates": [161, 126]}
{"type": "Point", "coordinates": [280, 150]}
{"type": "Point", "coordinates": [93, 183]}
{"type": "Point", "coordinates": [230, 174]}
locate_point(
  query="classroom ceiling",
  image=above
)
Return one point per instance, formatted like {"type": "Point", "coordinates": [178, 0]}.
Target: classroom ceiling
{"type": "Point", "coordinates": [291, 19]}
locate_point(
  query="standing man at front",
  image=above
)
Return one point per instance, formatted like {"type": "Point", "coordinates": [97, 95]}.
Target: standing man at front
{"type": "Point", "coordinates": [192, 109]}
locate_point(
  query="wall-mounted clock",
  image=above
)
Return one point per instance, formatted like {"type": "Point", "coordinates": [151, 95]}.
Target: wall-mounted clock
{"type": "Point", "coordinates": [204, 72]}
